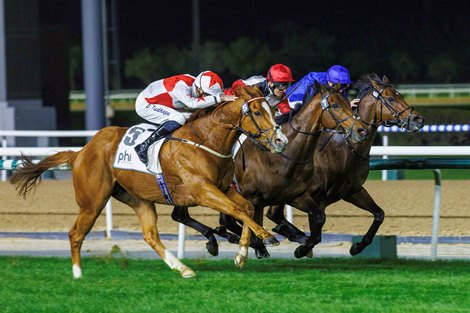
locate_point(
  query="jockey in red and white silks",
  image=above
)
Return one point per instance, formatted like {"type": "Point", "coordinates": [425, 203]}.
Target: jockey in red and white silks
{"type": "Point", "coordinates": [170, 101]}
{"type": "Point", "coordinates": [175, 98]}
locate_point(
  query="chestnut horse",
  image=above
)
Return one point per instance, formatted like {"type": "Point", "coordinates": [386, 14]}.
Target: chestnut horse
{"type": "Point", "coordinates": [341, 167]}
{"type": "Point", "coordinates": [194, 176]}
{"type": "Point", "coordinates": [267, 179]}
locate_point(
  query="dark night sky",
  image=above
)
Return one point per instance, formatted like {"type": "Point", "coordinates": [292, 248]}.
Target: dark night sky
{"type": "Point", "coordinates": [151, 23]}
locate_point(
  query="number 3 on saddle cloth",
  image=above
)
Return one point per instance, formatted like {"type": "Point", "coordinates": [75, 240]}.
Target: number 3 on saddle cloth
{"type": "Point", "coordinates": [126, 158]}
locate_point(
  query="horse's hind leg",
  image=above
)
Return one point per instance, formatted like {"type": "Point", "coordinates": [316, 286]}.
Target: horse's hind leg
{"type": "Point", "coordinates": [91, 205]}
{"type": "Point", "coordinates": [148, 220]}
{"type": "Point", "coordinates": [363, 200]}
{"type": "Point", "coordinates": [181, 215]}
{"type": "Point", "coordinates": [93, 184]}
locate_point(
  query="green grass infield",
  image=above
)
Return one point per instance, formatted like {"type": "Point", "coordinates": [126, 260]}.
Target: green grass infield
{"type": "Point", "coordinates": [120, 284]}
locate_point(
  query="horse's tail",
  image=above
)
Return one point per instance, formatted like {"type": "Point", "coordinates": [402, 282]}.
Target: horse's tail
{"type": "Point", "coordinates": [28, 175]}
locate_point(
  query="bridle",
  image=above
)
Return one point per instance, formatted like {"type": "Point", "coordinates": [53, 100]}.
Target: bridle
{"type": "Point", "coordinates": [326, 107]}
{"type": "Point", "coordinates": [400, 122]}
{"type": "Point", "coordinates": [246, 113]}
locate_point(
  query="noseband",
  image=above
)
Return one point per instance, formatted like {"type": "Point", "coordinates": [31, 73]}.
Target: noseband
{"type": "Point", "coordinates": [402, 123]}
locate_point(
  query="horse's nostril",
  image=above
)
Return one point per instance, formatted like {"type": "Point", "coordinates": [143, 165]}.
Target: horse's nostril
{"type": "Point", "coordinates": [363, 132]}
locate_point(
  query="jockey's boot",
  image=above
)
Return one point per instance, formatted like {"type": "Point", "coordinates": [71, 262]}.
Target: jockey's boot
{"type": "Point", "coordinates": [162, 131]}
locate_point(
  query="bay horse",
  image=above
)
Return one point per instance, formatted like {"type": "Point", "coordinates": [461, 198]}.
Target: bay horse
{"type": "Point", "coordinates": [194, 176]}
{"type": "Point", "coordinates": [341, 167]}
{"type": "Point", "coordinates": [267, 179]}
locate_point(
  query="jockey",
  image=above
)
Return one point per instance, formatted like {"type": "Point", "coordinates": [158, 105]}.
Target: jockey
{"type": "Point", "coordinates": [170, 101]}
{"type": "Point", "coordinates": [273, 86]}
{"type": "Point", "coordinates": [303, 90]}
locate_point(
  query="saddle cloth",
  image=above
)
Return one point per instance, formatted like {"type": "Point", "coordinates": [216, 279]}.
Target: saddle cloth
{"type": "Point", "coordinates": [126, 158]}
{"type": "Point", "coordinates": [236, 147]}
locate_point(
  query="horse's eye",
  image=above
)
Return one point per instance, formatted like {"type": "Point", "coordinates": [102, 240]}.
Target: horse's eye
{"type": "Point", "coordinates": [391, 99]}
{"type": "Point", "coordinates": [257, 113]}
{"type": "Point", "coordinates": [335, 105]}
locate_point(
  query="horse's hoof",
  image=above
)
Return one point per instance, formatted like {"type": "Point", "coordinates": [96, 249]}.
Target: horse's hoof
{"type": "Point", "coordinates": [188, 273]}
{"type": "Point", "coordinates": [301, 251]}
{"type": "Point", "coordinates": [270, 241]}
{"type": "Point", "coordinates": [298, 238]}
{"type": "Point", "coordinates": [278, 229]}
{"type": "Point", "coordinates": [356, 248]}
{"type": "Point", "coordinates": [213, 249]}
{"type": "Point", "coordinates": [240, 261]}
{"type": "Point", "coordinates": [262, 253]}
{"type": "Point", "coordinates": [310, 254]}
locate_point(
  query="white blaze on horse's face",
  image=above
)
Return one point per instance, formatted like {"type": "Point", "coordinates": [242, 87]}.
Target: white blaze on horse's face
{"type": "Point", "coordinates": [279, 140]}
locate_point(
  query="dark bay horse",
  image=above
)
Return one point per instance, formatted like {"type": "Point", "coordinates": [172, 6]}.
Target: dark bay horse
{"type": "Point", "coordinates": [341, 167]}
{"type": "Point", "coordinates": [194, 176]}
{"type": "Point", "coordinates": [267, 179]}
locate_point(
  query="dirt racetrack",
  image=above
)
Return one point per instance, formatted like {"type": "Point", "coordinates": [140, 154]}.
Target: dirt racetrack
{"type": "Point", "coordinates": [408, 206]}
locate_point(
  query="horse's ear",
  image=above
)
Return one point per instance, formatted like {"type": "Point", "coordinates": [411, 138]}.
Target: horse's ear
{"type": "Point", "coordinates": [385, 80]}
{"type": "Point", "coordinates": [337, 86]}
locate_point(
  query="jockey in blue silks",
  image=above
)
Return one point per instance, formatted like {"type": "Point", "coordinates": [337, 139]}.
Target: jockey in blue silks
{"type": "Point", "coordinates": [304, 89]}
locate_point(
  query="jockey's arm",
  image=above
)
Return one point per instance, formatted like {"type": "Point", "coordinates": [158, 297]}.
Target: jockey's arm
{"type": "Point", "coordinates": [284, 107]}
{"type": "Point", "coordinates": [184, 95]}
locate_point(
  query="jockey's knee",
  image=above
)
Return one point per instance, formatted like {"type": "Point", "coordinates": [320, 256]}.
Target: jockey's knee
{"type": "Point", "coordinates": [180, 119]}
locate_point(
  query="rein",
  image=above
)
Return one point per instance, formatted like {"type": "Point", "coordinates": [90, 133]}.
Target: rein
{"type": "Point", "coordinates": [198, 145]}
{"type": "Point", "coordinates": [396, 114]}
{"type": "Point", "coordinates": [254, 137]}
{"type": "Point", "coordinates": [245, 112]}
{"type": "Point", "coordinates": [325, 107]}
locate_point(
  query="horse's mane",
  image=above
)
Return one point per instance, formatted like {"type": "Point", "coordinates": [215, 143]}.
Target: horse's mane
{"type": "Point", "coordinates": [200, 113]}
{"type": "Point", "coordinates": [309, 96]}
{"type": "Point", "coordinates": [363, 85]}
{"type": "Point", "coordinates": [247, 92]}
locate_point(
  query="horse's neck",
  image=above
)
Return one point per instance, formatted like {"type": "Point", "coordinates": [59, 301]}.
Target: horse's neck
{"type": "Point", "coordinates": [307, 121]}
{"type": "Point", "coordinates": [217, 136]}
{"type": "Point", "coordinates": [369, 113]}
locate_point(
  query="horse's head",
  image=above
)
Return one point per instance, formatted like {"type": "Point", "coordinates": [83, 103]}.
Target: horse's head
{"type": "Point", "coordinates": [381, 103]}
{"type": "Point", "coordinates": [337, 113]}
{"type": "Point", "coordinates": [257, 119]}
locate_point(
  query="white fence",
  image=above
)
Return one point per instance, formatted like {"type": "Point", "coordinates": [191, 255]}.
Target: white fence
{"type": "Point", "coordinates": [383, 151]}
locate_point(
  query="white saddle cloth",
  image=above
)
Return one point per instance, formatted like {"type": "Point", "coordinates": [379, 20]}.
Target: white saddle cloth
{"type": "Point", "coordinates": [126, 158]}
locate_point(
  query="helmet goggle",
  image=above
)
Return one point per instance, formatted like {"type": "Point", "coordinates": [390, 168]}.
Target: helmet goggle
{"type": "Point", "coordinates": [343, 87]}
{"type": "Point", "coordinates": [281, 86]}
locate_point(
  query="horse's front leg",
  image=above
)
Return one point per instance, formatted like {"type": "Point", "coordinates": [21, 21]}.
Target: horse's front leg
{"type": "Point", "coordinates": [235, 205]}
{"type": "Point", "coordinates": [316, 218]}
{"type": "Point", "coordinates": [181, 215]}
{"type": "Point", "coordinates": [246, 233]}
{"type": "Point", "coordinates": [283, 227]}
{"type": "Point", "coordinates": [363, 200]}
{"type": "Point", "coordinates": [228, 223]}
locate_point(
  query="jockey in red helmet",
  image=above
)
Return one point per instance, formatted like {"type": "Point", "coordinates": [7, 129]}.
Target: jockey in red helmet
{"type": "Point", "coordinates": [170, 101]}
{"type": "Point", "coordinates": [273, 86]}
